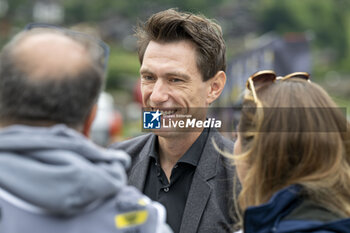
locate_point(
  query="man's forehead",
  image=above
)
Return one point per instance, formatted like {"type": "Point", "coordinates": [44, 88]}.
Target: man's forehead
{"type": "Point", "coordinates": [173, 46]}
{"type": "Point", "coordinates": [176, 56]}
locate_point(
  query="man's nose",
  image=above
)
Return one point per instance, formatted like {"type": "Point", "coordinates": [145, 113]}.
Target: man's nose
{"type": "Point", "coordinates": [159, 92]}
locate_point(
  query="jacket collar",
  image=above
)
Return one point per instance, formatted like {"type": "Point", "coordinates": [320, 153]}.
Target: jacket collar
{"type": "Point", "coordinates": [265, 215]}
{"type": "Point", "coordinates": [138, 173]}
{"type": "Point", "coordinates": [207, 166]}
{"type": "Point", "coordinates": [200, 190]}
{"type": "Point", "coordinates": [191, 156]}
{"type": "Point", "coordinates": [268, 217]}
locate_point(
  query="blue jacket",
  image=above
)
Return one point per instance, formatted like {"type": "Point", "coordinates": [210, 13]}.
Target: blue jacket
{"type": "Point", "coordinates": [273, 216]}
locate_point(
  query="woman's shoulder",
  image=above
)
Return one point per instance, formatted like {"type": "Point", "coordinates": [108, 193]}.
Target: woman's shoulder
{"type": "Point", "coordinates": [309, 210]}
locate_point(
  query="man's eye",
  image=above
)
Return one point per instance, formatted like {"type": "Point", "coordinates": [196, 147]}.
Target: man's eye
{"type": "Point", "coordinates": [148, 78]}
{"type": "Point", "coordinates": [175, 80]}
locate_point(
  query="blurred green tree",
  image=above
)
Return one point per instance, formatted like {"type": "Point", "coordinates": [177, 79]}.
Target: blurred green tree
{"type": "Point", "coordinates": [328, 20]}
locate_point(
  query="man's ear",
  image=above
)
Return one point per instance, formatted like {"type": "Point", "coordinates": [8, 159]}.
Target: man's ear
{"type": "Point", "coordinates": [215, 86]}
{"type": "Point", "coordinates": [89, 120]}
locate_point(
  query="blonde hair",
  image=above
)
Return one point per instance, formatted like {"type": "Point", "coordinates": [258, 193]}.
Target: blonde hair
{"type": "Point", "coordinates": [295, 134]}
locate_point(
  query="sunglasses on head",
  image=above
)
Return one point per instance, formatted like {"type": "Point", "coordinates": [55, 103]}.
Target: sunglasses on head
{"type": "Point", "coordinates": [264, 77]}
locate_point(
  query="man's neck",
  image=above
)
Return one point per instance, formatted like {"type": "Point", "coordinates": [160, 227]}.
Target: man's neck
{"type": "Point", "coordinates": [171, 149]}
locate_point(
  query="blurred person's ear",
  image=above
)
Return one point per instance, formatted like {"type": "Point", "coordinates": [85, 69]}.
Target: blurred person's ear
{"type": "Point", "coordinates": [89, 120]}
{"type": "Point", "coordinates": [215, 86]}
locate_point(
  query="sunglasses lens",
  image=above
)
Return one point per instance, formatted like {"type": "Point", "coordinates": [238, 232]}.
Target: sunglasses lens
{"type": "Point", "coordinates": [302, 77]}
{"type": "Point", "coordinates": [262, 79]}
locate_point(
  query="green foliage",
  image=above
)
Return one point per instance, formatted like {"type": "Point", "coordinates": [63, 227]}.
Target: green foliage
{"type": "Point", "coordinates": [326, 19]}
{"type": "Point", "coordinates": [19, 11]}
{"type": "Point", "coordinates": [92, 10]}
{"type": "Point", "coordinates": [123, 67]}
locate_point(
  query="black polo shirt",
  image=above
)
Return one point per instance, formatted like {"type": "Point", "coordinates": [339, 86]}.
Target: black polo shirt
{"type": "Point", "coordinates": [173, 194]}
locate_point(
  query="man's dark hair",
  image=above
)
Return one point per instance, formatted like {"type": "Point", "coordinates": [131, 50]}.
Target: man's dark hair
{"type": "Point", "coordinates": [171, 26]}
{"type": "Point", "coordinates": [66, 100]}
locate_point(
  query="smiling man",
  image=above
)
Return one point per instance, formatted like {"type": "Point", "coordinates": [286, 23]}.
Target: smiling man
{"type": "Point", "coordinates": [182, 70]}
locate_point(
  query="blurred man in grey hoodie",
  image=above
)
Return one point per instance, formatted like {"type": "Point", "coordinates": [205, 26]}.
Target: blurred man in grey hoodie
{"type": "Point", "coordinates": [52, 178]}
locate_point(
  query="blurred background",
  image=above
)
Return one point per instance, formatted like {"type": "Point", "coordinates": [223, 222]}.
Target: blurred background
{"type": "Point", "coordinates": [283, 35]}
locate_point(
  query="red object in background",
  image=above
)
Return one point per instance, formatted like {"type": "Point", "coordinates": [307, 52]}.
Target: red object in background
{"type": "Point", "coordinates": [116, 125]}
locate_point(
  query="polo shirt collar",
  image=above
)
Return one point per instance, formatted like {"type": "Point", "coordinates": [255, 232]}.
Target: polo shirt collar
{"type": "Point", "coordinates": [192, 155]}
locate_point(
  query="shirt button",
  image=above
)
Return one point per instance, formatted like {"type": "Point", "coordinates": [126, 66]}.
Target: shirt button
{"type": "Point", "coordinates": [166, 189]}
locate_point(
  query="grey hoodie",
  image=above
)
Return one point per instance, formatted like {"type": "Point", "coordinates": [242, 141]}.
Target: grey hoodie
{"type": "Point", "coordinates": [58, 170]}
